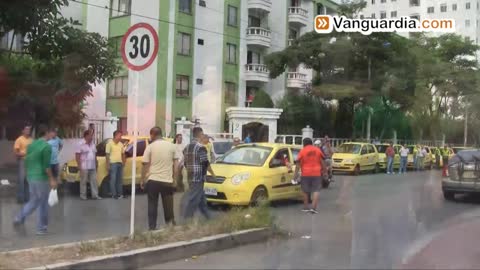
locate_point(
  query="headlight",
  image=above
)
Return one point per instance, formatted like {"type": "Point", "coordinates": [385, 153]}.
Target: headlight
{"type": "Point", "coordinates": [381, 159]}
{"type": "Point", "coordinates": [348, 161]}
{"type": "Point", "coordinates": [64, 168]}
{"type": "Point", "coordinates": [239, 178]}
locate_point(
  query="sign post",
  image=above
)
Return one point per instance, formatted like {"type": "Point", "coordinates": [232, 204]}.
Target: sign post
{"type": "Point", "coordinates": [139, 50]}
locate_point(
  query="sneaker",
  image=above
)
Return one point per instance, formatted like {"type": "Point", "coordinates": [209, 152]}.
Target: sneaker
{"type": "Point", "coordinates": [115, 197]}
{"type": "Point", "coordinates": [83, 198]}
{"type": "Point", "coordinates": [121, 197]}
{"type": "Point", "coordinates": [305, 210]}
{"type": "Point", "coordinates": [40, 233]}
{"type": "Point", "coordinates": [98, 198]}
{"type": "Point", "coordinates": [313, 211]}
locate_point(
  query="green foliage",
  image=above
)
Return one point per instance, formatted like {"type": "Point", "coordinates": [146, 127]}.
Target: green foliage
{"type": "Point", "coordinates": [262, 100]}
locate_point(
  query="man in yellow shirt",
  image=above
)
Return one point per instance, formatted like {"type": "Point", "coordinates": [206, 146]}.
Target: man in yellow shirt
{"type": "Point", "coordinates": [20, 150]}
{"type": "Point", "coordinates": [160, 167]}
{"type": "Point", "coordinates": [115, 157]}
{"type": "Point", "coordinates": [208, 145]}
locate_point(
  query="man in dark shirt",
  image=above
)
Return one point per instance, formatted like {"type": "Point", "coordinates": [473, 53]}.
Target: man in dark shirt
{"type": "Point", "coordinates": [197, 164]}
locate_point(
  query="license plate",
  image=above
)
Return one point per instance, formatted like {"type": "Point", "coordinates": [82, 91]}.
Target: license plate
{"type": "Point", "coordinates": [211, 191]}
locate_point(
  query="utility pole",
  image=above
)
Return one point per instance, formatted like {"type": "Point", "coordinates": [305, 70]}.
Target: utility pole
{"type": "Point", "coordinates": [465, 128]}
{"type": "Point", "coordinates": [369, 115]}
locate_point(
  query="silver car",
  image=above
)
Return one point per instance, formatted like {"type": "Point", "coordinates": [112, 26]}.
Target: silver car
{"type": "Point", "coordinates": [464, 174]}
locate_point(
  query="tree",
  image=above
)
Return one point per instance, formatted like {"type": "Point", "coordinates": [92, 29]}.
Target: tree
{"type": "Point", "coordinates": [262, 100]}
{"type": "Point", "coordinates": [55, 72]}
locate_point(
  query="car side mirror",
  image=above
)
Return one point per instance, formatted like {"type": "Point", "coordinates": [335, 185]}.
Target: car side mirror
{"type": "Point", "coordinates": [275, 163]}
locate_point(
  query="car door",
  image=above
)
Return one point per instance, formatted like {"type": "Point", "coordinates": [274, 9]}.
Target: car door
{"type": "Point", "coordinates": [372, 156]}
{"type": "Point", "coordinates": [127, 170]}
{"type": "Point", "coordinates": [364, 158]}
{"type": "Point", "coordinates": [279, 176]}
{"type": "Point", "coordinates": [295, 190]}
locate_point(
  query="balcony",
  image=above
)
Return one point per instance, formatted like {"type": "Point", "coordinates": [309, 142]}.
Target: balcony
{"type": "Point", "coordinates": [258, 36]}
{"type": "Point", "coordinates": [260, 5]}
{"type": "Point", "coordinates": [256, 73]}
{"type": "Point", "coordinates": [296, 80]}
{"type": "Point", "coordinates": [298, 16]}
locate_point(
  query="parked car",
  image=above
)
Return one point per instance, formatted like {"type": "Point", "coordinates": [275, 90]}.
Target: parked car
{"type": "Point", "coordinates": [458, 149]}
{"type": "Point", "coordinates": [382, 157]}
{"type": "Point", "coordinates": [355, 157]}
{"type": "Point", "coordinates": [464, 174]}
{"type": "Point", "coordinates": [250, 173]}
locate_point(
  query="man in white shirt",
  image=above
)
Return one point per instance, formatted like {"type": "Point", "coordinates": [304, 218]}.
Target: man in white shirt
{"type": "Point", "coordinates": [420, 158]}
{"type": "Point", "coordinates": [160, 166]}
{"type": "Point", "coordinates": [403, 159]}
{"type": "Point", "coordinates": [87, 165]}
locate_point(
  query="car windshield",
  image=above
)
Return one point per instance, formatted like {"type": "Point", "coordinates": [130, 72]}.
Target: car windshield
{"type": "Point", "coordinates": [382, 148]}
{"type": "Point", "coordinates": [349, 148]}
{"type": "Point", "coordinates": [221, 148]}
{"type": "Point", "coordinates": [410, 149]}
{"type": "Point", "coordinates": [247, 155]}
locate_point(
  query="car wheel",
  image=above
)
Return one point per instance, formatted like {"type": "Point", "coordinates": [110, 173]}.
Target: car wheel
{"type": "Point", "coordinates": [259, 195]}
{"type": "Point", "coordinates": [448, 195]}
{"type": "Point", "coordinates": [356, 171]}
{"type": "Point", "coordinates": [104, 190]}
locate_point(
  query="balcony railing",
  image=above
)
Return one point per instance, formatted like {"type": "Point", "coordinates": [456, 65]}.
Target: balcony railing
{"type": "Point", "coordinates": [256, 73]}
{"type": "Point", "coordinates": [256, 68]}
{"type": "Point", "coordinates": [296, 76]}
{"type": "Point", "coordinates": [259, 36]}
{"type": "Point", "coordinates": [296, 80]}
{"type": "Point", "coordinates": [298, 11]}
{"type": "Point", "coordinates": [298, 16]}
{"type": "Point", "coordinates": [265, 5]}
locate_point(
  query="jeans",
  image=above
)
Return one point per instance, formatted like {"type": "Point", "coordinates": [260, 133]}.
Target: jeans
{"type": "Point", "coordinates": [88, 176]}
{"type": "Point", "coordinates": [403, 164]}
{"type": "Point", "coordinates": [194, 199]}
{"type": "Point", "coordinates": [116, 179]}
{"type": "Point", "coordinates": [154, 189]}
{"type": "Point", "coordinates": [39, 191]}
{"type": "Point", "coordinates": [389, 164]}
{"type": "Point", "coordinates": [22, 184]}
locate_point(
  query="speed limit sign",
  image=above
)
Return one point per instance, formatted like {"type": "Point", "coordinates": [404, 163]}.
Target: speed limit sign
{"type": "Point", "coordinates": [139, 46]}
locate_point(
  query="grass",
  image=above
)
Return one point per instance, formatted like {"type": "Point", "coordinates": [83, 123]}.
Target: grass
{"type": "Point", "coordinates": [237, 219]}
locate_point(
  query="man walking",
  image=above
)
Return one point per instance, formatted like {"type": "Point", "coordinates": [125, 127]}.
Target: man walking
{"type": "Point", "coordinates": [310, 160]}
{"type": "Point", "coordinates": [420, 157]}
{"type": "Point", "coordinates": [41, 180]}
{"type": "Point", "coordinates": [160, 166]}
{"type": "Point", "coordinates": [390, 153]}
{"type": "Point", "coordinates": [87, 164]}
{"type": "Point", "coordinates": [20, 150]}
{"type": "Point", "coordinates": [328, 152]}
{"type": "Point", "coordinates": [115, 160]}
{"type": "Point", "coordinates": [56, 143]}
{"type": "Point", "coordinates": [196, 163]}
{"type": "Point", "coordinates": [403, 159]}
{"type": "Point", "coordinates": [445, 157]}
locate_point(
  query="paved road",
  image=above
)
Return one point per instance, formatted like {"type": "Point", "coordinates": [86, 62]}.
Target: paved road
{"type": "Point", "coordinates": [365, 222]}
{"type": "Point", "coordinates": [370, 221]}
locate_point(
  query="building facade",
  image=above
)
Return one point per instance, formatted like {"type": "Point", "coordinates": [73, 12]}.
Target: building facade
{"type": "Point", "coordinates": [211, 56]}
{"type": "Point", "coordinates": [466, 13]}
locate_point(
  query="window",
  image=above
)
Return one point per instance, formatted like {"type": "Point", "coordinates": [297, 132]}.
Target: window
{"type": "Point", "coordinates": [467, 23]}
{"type": "Point", "coordinates": [320, 9]}
{"type": "Point", "coordinates": [383, 1]}
{"type": "Point", "coordinates": [383, 14]}
{"type": "Point", "coordinates": [141, 146]}
{"type": "Point", "coordinates": [467, 6]}
{"type": "Point", "coordinates": [120, 8]}
{"type": "Point", "coordinates": [364, 150]}
{"type": "Point", "coordinates": [231, 53]}
{"type": "Point", "coordinates": [454, 7]}
{"type": "Point", "coordinates": [416, 17]}
{"type": "Point", "coordinates": [200, 41]}
{"type": "Point", "coordinates": [183, 43]}
{"type": "Point", "coordinates": [292, 33]}
{"type": "Point", "coordinates": [116, 44]}
{"type": "Point", "coordinates": [373, 15]}
{"type": "Point", "coordinates": [443, 8]}
{"type": "Point", "coordinates": [253, 21]}
{"type": "Point", "coordinates": [183, 84]}
{"type": "Point", "coordinates": [430, 10]}
{"type": "Point", "coordinates": [122, 125]}
{"type": "Point", "coordinates": [373, 2]}
{"type": "Point", "coordinates": [232, 16]}
{"type": "Point", "coordinates": [370, 149]}
{"type": "Point", "coordinates": [118, 87]}
{"type": "Point", "coordinates": [279, 159]}
{"type": "Point", "coordinates": [230, 94]}
{"type": "Point", "coordinates": [185, 6]}
{"type": "Point", "coordinates": [253, 57]}
{"type": "Point", "coordinates": [414, 3]}
{"type": "Point", "coordinates": [393, 14]}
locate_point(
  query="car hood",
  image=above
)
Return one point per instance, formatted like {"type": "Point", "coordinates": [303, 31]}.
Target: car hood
{"type": "Point", "coordinates": [229, 170]}
{"type": "Point", "coordinates": [344, 156]}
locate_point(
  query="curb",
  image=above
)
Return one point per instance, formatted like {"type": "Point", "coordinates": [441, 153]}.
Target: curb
{"type": "Point", "coordinates": [160, 254]}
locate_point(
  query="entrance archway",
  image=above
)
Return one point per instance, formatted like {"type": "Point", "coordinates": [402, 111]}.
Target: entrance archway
{"type": "Point", "coordinates": [257, 131]}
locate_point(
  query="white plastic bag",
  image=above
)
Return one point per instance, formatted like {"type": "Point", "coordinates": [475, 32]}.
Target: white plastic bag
{"type": "Point", "coordinates": [53, 197]}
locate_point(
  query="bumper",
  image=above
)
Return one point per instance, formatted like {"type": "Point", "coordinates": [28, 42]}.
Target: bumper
{"type": "Point", "coordinates": [70, 178]}
{"type": "Point", "coordinates": [228, 195]}
{"type": "Point", "coordinates": [343, 167]}
{"type": "Point", "coordinates": [461, 186]}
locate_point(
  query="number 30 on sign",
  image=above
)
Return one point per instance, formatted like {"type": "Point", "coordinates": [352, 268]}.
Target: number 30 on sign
{"type": "Point", "coordinates": [139, 46]}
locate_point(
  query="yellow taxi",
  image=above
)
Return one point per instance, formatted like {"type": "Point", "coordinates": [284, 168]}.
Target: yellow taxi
{"type": "Point", "coordinates": [428, 159]}
{"type": "Point", "coordinates": [355, 157]}
{"type": "Point", "coordinates": [382, 157]}
{"type": "Point", "coordinates": [250, 173]}
{"type": "Point", "coordinates": [70, 173]}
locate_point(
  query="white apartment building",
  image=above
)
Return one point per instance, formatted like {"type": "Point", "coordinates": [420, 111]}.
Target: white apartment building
{"type": "Point", "coordinates": [466, 13]}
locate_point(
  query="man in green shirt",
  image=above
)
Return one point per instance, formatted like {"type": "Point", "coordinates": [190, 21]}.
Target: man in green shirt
{"type": "Point", "coordinates": [40, 180]}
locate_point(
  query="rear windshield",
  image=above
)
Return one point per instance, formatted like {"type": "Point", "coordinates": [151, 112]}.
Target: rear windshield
{"type": "Point", "coordinates": [221, 148]}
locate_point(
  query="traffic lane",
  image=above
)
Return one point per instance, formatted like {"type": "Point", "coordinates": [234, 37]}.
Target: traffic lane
{"type": "Point", "coordinates": [365, 222]}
